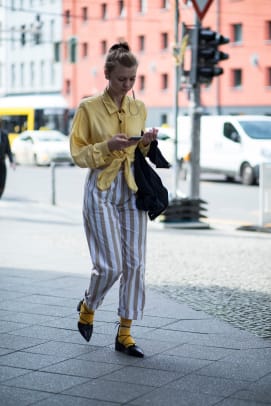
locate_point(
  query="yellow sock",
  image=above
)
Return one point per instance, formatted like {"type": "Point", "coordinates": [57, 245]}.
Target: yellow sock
{"type": "Point", "coordinates": [124, 335]}
{"type": "Point", "coordinates": [86, 315]}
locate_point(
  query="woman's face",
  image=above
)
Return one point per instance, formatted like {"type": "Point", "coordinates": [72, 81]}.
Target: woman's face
{"type": "Point", "coordinates": [121, 79]}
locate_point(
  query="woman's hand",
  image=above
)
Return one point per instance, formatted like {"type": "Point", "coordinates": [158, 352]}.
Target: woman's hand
{"type": "Point", "coordinates": [120, 141]}
{"type": "Point", "coordinates": [149, 136]}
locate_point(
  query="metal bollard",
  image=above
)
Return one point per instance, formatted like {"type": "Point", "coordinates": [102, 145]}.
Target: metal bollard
{"type": "Point", "coordinates": [54, 163]}
{"type": "Point", "coordinates": [53, 183]}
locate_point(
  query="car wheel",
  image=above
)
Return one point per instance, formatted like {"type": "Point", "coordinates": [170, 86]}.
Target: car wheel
{"type": "Point", "coordinates": [247, 175]}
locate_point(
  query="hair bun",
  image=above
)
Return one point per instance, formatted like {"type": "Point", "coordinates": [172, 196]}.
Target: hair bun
{"type": "Point", "coordinates": [121, 45]}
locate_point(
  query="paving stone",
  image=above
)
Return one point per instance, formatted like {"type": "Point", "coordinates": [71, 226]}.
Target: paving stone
{"type": "Point", "coordinates": [164, 396]}
{"type": "Point", "coordinates": [7, 372]}
{"type": "Point", "coordinates": [11, 396]}
{"type": "Point", "coordinates": [59, 348]}
{"type": "Point", "coordinates": [181, 365]}
{"type": "Point", "coordinates": [29, 361]}
{"type": "Point", "coordinates": [201, 352]}
{"type": "Point", "coordinates": [9, 326]}
{"type": "Point", "coordinates": [238, 402]}
{"type": "Point", "coordinates": [60, 400]}
{"type": "Point", "coordinates": [208, 385]}
{"type": "Point", "coordinates": [143, 376]}
{"type": "Point", "coordinates": [108, 355]}
{"type": "Point", "coordinates": [101, 389]}
{"type": "Point", "coordinates": [45, 382]}
{"type": "Point", "coordinates": [79, 367]}
{"type": "Point", "coordinates": [17, 342]}
{"type": "Point", "coordinates": [247, 371]}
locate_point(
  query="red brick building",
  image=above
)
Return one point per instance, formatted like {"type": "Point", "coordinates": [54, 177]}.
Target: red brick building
{"type": "Point", "coordinates": [90, 27]}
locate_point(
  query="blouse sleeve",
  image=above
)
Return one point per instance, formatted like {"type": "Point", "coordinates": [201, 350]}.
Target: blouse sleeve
{"type": "Point", "coordinates": [85, 152]}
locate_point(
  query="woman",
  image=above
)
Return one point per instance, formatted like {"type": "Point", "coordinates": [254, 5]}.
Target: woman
{"type": "Point", "coordinates": [102, 139]}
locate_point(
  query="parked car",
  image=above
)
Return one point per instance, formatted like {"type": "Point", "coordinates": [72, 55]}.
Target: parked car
{"type": "Point", "coordinates": [41, 147]}
{"type": "Point", "coordinates": [234, 146]}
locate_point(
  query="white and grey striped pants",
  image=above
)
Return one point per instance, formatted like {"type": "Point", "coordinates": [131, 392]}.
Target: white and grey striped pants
{"type": "Point", "coordinates": [116, 236]}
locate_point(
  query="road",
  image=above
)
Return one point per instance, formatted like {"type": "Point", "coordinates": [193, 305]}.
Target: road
{"type": "Point", "coordinates": [227, 203]}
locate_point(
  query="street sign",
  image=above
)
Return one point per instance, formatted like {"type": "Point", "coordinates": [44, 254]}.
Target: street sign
{"type": "Point", "coordinates": [201, 7]}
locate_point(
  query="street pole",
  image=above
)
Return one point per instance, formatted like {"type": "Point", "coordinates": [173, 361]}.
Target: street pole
{"type": "Point", "coordinates": [195, 115]}
{"type": "Point", "coordinates": [176, 101]}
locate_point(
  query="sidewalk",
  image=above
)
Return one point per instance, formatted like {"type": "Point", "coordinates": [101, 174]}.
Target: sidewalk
{"type": "Point", "coordinates": [191, 358]}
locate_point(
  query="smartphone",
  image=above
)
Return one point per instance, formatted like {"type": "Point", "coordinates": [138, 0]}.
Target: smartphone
{"type": "Point", "coordinates": [135, 138]}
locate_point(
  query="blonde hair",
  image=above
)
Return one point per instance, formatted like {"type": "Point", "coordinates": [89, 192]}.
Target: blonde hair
{"type": "Point", "coordinates": [119, 54]}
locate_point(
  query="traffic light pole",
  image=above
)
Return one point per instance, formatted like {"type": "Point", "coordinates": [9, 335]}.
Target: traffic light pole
{"type": "Point", "coordinates": [176, 103]}
{"type": "Point", "coordinates": [195, 115]}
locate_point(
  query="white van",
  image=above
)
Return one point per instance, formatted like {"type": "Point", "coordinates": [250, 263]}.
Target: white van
{"type": "Point", "coordinates": [230, 145]}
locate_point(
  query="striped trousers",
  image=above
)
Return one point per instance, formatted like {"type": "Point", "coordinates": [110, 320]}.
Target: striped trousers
{"type": "Point", "coordinates": [116, 235]}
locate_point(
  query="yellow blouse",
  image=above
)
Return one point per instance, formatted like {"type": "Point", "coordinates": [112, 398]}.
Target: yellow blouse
{"type": "Point", "coordinates": [98, 119]}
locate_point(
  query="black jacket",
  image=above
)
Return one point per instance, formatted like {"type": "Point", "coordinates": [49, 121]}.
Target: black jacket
{"type": "Point", "coordinates": [152, 196]}
{"type": "Point", "coordinates": [5, 146]}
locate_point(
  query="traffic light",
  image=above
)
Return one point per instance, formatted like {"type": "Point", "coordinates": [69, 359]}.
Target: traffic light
{"type": "Point", "coordinates": [206, 55]}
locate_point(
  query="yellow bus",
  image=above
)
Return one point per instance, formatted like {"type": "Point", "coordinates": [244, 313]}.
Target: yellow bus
{"type": "Point", "coordinates": [48, 113]}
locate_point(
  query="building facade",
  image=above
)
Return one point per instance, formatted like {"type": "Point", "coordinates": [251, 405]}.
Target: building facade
{"type": "Point", "coordinates": [91, 27]}
{"type": "Point", "coordinates": [57, 48]}
{"type": "Point", "coordinates": [31, 71]}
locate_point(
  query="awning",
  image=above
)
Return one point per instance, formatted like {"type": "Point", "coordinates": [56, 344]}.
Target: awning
{"type": "Point", "coordinates": [36, 101]}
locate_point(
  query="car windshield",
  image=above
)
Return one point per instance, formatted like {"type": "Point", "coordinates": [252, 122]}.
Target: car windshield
{"type": "Point", "coordinates": [260, 130]}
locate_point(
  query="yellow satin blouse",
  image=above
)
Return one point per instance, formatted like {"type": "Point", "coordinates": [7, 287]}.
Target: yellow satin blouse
{"type": "Point", "coordinates": [97, 119]}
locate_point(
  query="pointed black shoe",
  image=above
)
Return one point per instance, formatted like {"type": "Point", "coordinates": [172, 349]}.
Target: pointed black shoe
{"type": "Point", "coordinates": [133, 350]}
{"type": "Point", "coordinates": [84, 329]}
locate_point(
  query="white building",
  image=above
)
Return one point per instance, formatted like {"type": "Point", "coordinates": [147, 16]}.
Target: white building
{"type": "Point", "coordinates": [33, 33]}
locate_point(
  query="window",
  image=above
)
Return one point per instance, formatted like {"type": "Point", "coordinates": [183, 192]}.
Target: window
{"type": "Point", "coordinates": [23, 35]}
{"type": "Point", "coordinates": [121, 8]}
{"type": "Point", "coordinates": [72, 50]}
{"type": "Point", "coordinates": [42, 66]}
{"type": "Point", "coordinates": [164, 81]}
{"type": "Point", "coordinates": [237, 78]}
{"type": "Point", "coordinates": [163, 119]}
{"type": "Point", "coordinates": [268, 77]}
{"type": "Point", "coordinates": [142, 6]}
{"type": "Point", "coordinates": [13, 75]}
{"type": "Point", "coordinates": [103, 47]}
{"type": "Point", "coordinates": [164, 40]}
{"type": "Point", "coordinates": [37, 27]}
{"type": "Point", "coordinates": [237, 33]}
{"type": "Point", "coordinates": [52, 73]}
{"type": "Point", "coordinates": [57, 52]}
{"type": "Point", "coordinates": [165, 4]}
{"type": "Point", "coordinates": [67, 14]}
{"type": "Point", "coordinates": [32, 74]}
{"type": "Point", "coordinates": [268, 30]}
{"type": "Point", "coordinates": [141, 81]}
{"type": "Point", "coordinates": [22, 74]}
{"type": "Point", "coordinates": [84, 49]}
{"type": "Point", "coordinates": [52, 30]}
{"type": "Point", "coordinates": [104, 11]}
{"type": "Point", "coordinates": [230, 132]}
{"type": "Point", "coordinates": [84, 14]}
{"type": "Point", "coordinates": [67, 86]}
{"type": "Point", "coordinates": [141, 42]}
